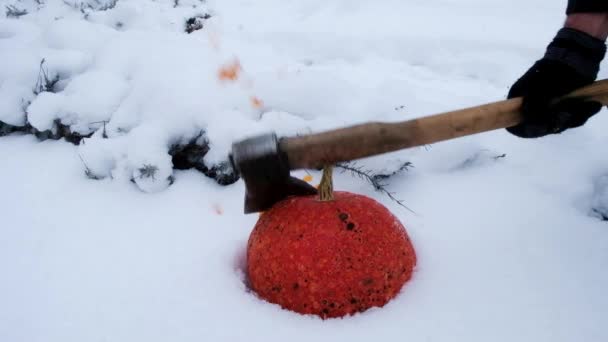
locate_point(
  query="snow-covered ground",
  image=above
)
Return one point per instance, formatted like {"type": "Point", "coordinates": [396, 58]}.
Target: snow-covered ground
{"type": "Point", "coordinates": [509, 248]}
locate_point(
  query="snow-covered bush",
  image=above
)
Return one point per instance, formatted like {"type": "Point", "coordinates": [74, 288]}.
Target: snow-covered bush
{"type": "Point", "coordinates": [132, 109]}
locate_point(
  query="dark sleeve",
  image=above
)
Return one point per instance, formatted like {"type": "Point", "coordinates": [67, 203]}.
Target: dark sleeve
{"type": "Point", "coordinates": [578, 6]}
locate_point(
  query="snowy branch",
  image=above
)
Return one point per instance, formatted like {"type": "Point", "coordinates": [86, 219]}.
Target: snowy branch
{"type": "Point", "coordinates": [186, 156]}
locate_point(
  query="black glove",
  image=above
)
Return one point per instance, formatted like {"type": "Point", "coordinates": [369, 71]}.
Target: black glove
{"type": "Point", "coordinates": [587, 6]}
{"type": "Point", "coordinates": [571, 61]}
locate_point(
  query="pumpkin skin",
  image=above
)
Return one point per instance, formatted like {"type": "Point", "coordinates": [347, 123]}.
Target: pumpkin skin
{"type": "Point", "coordinates": [330, 258]}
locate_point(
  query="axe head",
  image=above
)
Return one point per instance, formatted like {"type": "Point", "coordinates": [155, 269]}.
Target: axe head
{"type": "Point", "coordinates": [265, 170]}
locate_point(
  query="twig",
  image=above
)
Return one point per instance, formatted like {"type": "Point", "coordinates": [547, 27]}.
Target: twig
{"type": "Point", "coordinates": [14, 12]}
{"type": "Point", "coordinates": [87, 171]}
{"type": "Point", "coordinates": [404, 167]}
{"type": "Point", "coordinates": [44, 83]}
{"type": "Point", "coordinates": [148, 171]}
{"type": "Point", "coordinates": [103, 133]}
{"type": "Point", "coordinates": [376, 179]}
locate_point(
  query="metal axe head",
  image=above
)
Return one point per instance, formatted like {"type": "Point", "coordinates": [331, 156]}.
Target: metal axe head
{"type": "Point", "coordinates": [265, 170]}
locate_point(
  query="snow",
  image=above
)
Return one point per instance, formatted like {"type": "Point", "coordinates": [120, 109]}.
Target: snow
{"type": "Point", "coordinates": [88, 98]}
{"type": "Point", "coordinates": [509, 247]}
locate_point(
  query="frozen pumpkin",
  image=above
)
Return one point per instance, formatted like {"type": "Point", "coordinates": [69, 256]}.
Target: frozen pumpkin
{"type": "Point", "coordinates": [329, 257]}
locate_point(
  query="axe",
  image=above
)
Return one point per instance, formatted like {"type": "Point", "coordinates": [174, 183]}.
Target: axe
{"type": "Point", "coordinates": [264, 162]}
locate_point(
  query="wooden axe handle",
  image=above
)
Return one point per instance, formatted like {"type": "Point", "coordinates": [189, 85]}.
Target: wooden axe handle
{"type": "Point", "coordinates": [374, 138]}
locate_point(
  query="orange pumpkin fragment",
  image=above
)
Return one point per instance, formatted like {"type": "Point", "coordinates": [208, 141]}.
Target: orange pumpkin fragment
{"type": "Point", "coordinates": [256, 102]}
{"type": "Point", "coordinates": [230, 72]}
{"type": "Point", "coordinates": [218, 209]}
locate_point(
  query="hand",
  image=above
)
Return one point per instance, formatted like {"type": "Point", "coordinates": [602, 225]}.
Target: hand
{"type": "Point", "coordinates": [571, 61]}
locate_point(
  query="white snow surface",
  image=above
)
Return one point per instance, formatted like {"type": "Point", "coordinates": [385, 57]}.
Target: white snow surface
{"type": "Point", "coordinates": [509, 249]}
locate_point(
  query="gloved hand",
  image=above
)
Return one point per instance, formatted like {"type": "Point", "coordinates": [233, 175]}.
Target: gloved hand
{"type": "Point", "coordinates": [571, 61]}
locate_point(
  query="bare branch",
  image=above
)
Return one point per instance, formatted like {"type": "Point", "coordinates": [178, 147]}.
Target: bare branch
{"type": "Point", "coordinates": [376, 180]}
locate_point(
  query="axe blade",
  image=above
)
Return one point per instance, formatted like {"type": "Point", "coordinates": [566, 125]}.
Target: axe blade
{"type": "Point", "coordinates": [265, 170]}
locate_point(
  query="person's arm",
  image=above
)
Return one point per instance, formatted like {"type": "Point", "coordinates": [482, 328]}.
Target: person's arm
{"type": "Point", "coordinates": [594, 24]}
{"type": "Point", "coordinates": [571, 60]}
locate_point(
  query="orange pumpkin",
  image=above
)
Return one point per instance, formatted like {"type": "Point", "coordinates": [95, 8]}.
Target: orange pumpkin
{"type": "Point", "coordinates": [329, 258]}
